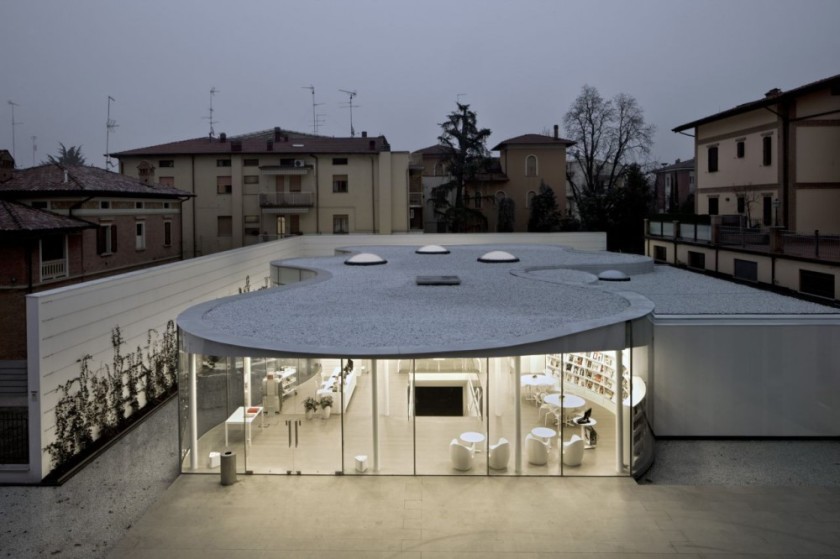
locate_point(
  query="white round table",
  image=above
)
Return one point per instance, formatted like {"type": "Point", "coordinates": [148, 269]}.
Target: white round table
{"type": "Point", "coordinates": [472, 437]}
{"type": "Point", "coordinates": [568, 403]}
{"type": "Point", "coordinates": [583, 434]}
{"type": "Point", "coordinates": [536, 382]}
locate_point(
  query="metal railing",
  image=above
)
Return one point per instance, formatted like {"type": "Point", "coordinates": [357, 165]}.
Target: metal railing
{"type": "Point", "coordinates": [14, 435]}
{"type": "Point", "coordinates": [822, 247]}
{"type": "Point", "coordinates": [287, 199]}
{"type": "Point", "coordinates": [53, 269]}
{"type": "Point", "coordinates": [755, 239]}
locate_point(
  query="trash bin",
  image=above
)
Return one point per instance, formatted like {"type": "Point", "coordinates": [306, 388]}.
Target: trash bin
{"type": "Point", "coordinates": [228, 467]}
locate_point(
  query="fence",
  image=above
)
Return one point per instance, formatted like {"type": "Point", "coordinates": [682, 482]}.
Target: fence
{"type": "Point", "coordinates": [14, 436]}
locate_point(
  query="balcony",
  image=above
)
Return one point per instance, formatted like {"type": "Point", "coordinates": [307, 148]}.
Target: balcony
{"type": "Point", "coordinates": [287, 199]}
{"type": "Point", "coordinates": [53, 269]}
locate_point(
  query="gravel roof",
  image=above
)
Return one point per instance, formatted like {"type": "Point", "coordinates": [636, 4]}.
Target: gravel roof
{"type": "Point", "coordinates": [550, 293]}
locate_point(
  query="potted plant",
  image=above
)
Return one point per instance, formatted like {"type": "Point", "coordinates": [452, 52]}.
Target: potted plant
{"type": "Point", "coordinates": [310, 405]}
{"type": "Point", "coordinates": [326, 406]}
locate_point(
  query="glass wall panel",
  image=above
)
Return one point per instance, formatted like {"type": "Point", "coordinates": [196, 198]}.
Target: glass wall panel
{"type": "Point", "coordinates": [538, 427]}
{"type": "Point", "coordinates": [450, 425]}
{"type": "Point", "coordinates": [502, 407]}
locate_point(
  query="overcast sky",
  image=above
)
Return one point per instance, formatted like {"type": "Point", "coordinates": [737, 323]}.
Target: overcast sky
{"type": "Point", "coordinates": [519, 64]}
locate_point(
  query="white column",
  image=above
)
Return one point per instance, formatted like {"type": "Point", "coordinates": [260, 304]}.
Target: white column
{"type": "Point", "coordinates": [517, 389]}
{"type": "Point", "coordinates": [374, 376]}
{"type": "Point", "coordinates": [193, 413]}
{"type": "Point", "coordinates": [386, 388]}
{"type": "Point", "coordinates": [246, 366]}
{"type": "Point", "coordinates": [619, 413]}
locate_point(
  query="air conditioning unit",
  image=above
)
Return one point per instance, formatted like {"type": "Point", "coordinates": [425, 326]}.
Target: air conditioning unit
{"type": "Point", "coordinates": [299, 163]}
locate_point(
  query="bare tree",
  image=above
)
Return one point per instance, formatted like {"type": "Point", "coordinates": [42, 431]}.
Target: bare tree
{"type": "Point", "coordinates": [609, 136]}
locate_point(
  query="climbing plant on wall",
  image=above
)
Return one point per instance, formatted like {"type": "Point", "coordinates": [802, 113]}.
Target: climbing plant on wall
{"type": "Point", "coordinates": [97, 405]}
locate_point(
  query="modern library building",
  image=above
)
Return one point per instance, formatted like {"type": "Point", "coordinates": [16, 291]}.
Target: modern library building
{"type": "Point", "coordinates": [533, 360]}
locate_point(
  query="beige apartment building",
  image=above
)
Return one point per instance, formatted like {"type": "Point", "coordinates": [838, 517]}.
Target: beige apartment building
{"type": "Point", "coordinates": [267, 185]}
{"type": "Point", "coordinates": [773, 160]}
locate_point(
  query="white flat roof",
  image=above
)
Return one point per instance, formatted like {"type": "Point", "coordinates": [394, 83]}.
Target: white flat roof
{"type": "Point", "coordinates": [549, 301]}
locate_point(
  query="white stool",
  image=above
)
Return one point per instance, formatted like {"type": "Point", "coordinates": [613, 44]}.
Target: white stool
{"type": "Point", "coordinates": [214, 459]}
{"type": "Point", "coordinates": [361, 463]}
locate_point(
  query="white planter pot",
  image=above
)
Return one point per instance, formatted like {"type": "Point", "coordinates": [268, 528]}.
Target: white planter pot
{"type": "Point", "coordinates": [327, 411]}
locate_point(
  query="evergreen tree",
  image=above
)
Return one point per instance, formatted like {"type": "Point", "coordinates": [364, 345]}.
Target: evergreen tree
{"type": "Point", "coordinates": [544, 215]}
{"type": "Point", "coordinates": [67, 156]}
{"type": "Point", "coordinates": [507, 211]}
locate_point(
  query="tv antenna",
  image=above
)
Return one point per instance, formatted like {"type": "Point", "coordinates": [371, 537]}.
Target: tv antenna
{"type": "Point", "coordinates": [213, 91]}
{"type": "Point", "coordinates": [110, 124]}
{"type": "Point", "coordinates": [350, 106]}
{"type": "Point", "coordinates": [14, 123]}
{"type": "Point", "coordinates": [315, 120]}
{"type": "Point", "coordinates": [34, 149]}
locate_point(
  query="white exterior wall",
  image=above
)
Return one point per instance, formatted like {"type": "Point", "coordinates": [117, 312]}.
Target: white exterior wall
{"type": "Point", "coordinates": [746, 377]}
{"type": "Point", "coordinates": [67, 323]}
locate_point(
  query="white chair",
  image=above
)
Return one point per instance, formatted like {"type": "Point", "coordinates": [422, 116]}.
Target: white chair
{"type": "Point", "coordinates": [573, 451]}
{"type": "Point", "coordinates": [537, 450]}
{"type": "Point", "coordinates": [499, 455]}
{"type": "Point", "coordinates": [461, 456]}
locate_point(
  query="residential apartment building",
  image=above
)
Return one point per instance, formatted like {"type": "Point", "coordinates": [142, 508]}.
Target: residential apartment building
{"type": "Point", "coordinates": [266, 185]}
{"type": "Point", "coordinates": [674, 186]}
{"type": "Point", "coordinates": [523, 163]}
{"type": "Point", "coordinates": [768, 178]}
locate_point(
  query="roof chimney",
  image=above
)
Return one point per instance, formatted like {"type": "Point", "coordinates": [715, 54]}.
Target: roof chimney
{"type": "Point", "coordinates": [269, 145]}
{"type": "Point", "coordinates": [277, 136]}
{"type": "Point", "coordinates": [775, 92]}
{"type": "Point", "coordinates": [223, 137]}
{"type": "Point", "coordinates": [7, 165]}
{"type": "Point", "coordinates": [364, 133]}
{"type": "Point", "coordinates": [66, 176]}
{"type": "Point", "coordinates": [556, 131]}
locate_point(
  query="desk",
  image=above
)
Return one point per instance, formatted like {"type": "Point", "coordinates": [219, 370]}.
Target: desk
{"type": "Point", "coordinates": [239, 417]}
{"type": "Point", "coordinates": [473, 438]}
{"type": "Point", "coordinates": [544, 433]}
{"type": "Point", "coordinates": [568, 404]}
{"type": "Point", "coordinates": [585, 432]}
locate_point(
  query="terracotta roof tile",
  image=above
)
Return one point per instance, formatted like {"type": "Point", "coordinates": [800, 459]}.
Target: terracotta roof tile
{"type": "Point", "coordinates": [284, 142]}
{"type": "Point", "coordinates": [17, 218]}
{"type": "Point", "coordinates": [82, 179]}
{"type": "Point", "coordinates": [533, 139]}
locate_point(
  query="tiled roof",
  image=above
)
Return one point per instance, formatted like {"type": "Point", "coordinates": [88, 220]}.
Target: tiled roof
{"type": "Point", "coordinates": [284, 142]}
{"type": "Point", "coordinates": [533, 139]}
{"type": "Point", "coordinates": [436, 149]}
{"type": "Point", "coordinates": [81, 179]}
{"type": "Point", "coordinates": [772, 97]}
{"type": "Point", "coordinates": [17, 218]}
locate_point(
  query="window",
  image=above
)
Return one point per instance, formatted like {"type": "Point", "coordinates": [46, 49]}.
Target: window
{"type": "Point", "coordinates": [41, 204]}
{"type": "Point", "coordinates": [53, 257]}
{"type": "Point", "coordinates": [252, 225]}
{"type": "Point", "coordinates": [739, 149]}
{"type": "Point", "coordinates": [224, 226]}
{"type": "Point", "coordinates": [223, 185]}
{"type": "Point", "coordinates": [531, 166]}
{"type": "Point", "coordinates": [250, 162]}
{"type": "Point", "coordinates": [816, 283]}
{"type": "Point", "coordinates": [529, 198]}
{"type": "Point", "coordinates": [138, 205]}
{"type": "Point", "coordinates": [660, 254]}
{"type": "Point", "coordinates": [167, 181]}
{"type": "Point", "coordinates": [140, 235]}
{"type": "Point", "coordinates": [713, 159]}
{"type": "Point", "coordinates": [339, 161]}
{"type": "Point", "coordinates": [167, 233]}
{"type": "Point", "coordinates": [223, 163]}
{"type": "Point", "coordinates": [287, 162]}
{"type": "Point", "coordinates": [746, 270]}
{"type": "Point", "coordinates": [166, 205]}
{"type": "Point", "coordinates": [339, 183]}
{"type": "Point", "coordinates": [106, 239]}
{"type": "Point", "coordinates": [713, 206]}
{"type": "Point", "coordinates": [294, 183]}
{"type": "Point", "coordinates": [767, 210]}
{"type": "Point", "coordinates": [741, 204]}
{"type": "Point", "coordinates": [341, 224]}
{"type": "Point", "coordinates": [166, 163]}
{"type": "Point", "coordinates": [696, 260]}
{"type": "Point", "coordinates": [251, 179]}
{"type": "Point", "coordinates": [767, 150]}
{"type": "Point", "coordinates": [104, 204]}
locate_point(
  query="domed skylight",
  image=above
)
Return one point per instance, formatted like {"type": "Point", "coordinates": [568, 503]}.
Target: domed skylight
{"type": "Point", "coordinates": [365, 259]}
{"type": "Point", "coordinates": [432, 249]}
{"type": "Point", "coordinates": [613, 275]}
{"type": "Point", "coordinates": [496, 256]}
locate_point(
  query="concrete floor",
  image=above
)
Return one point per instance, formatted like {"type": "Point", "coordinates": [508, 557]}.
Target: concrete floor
{"type": "Point", "coordinates": [436, 517]}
